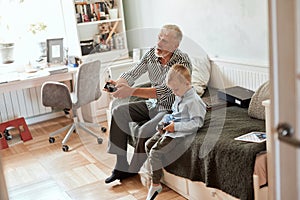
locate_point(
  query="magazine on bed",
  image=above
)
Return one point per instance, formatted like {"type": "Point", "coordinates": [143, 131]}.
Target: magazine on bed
{"type": "Point", "coordinates": [254, 136]}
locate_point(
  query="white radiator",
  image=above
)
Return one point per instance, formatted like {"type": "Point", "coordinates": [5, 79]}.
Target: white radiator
{"type": "Point", "coordinates": [21, 103]}
{"type": "Point", "coordinates": [228, 74]}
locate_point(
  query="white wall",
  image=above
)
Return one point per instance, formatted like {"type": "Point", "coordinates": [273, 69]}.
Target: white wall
{"type": "Point", "coordinates": [235, 30]}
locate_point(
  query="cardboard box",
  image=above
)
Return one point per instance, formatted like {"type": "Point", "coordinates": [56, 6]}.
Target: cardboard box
{"type": "Point", "coordinates": [236, 95]}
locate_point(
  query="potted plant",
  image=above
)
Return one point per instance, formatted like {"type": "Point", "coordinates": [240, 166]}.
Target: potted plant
{"type": "Point", "coordinates": [6, 43]}
{"type": "Point", "coordinates": [7, 35]}
{"type": "Point", "coordinates": [7, 52]}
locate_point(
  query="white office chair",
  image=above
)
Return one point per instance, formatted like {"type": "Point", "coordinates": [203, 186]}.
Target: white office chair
{"type": "Point", "coordinates": [87, 89]}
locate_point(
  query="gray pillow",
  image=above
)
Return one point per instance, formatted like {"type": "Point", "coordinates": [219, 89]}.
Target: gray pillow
{"type": "Point", "coordinates": [256, 109]}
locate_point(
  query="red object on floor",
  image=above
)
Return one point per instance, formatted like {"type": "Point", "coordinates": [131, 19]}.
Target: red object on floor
{"type": "Point", "coordinates": [3, 143]}
{"type": "Point", "coordinates": [18, 123]}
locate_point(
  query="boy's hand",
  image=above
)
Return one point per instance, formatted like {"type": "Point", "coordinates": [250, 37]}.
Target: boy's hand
{"type": "Point", "coordinates": [160, 127]}
{"type": "Point", "coordinates": [170, 127]}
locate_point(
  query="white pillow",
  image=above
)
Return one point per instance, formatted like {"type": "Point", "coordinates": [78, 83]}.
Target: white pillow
{"type": "Point", "coordinates": [201, 73]}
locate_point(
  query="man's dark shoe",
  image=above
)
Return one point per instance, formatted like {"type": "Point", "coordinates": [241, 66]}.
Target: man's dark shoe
{"type": "Point", "coordinates": [118, 175]}
{"type": "Point", "coordinates": [115, 175]}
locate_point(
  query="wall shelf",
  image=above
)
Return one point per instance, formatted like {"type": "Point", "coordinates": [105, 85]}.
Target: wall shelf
{"type": "Point", "coordinates": [98, 22]}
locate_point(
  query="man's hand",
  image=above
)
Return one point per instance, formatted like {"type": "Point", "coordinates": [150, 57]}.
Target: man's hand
{"type": "Point", "coordinates": [170, 127]}
{"type": "Point", "coordinates": [116, 83]}
{"type": "Point", "coordinates": [111, 82]}
{"type": "Point", "coordinates": [123, 91]}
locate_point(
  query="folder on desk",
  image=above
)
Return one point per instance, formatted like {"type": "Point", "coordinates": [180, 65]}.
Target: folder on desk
{"type": "Point", "coordinates": [57, 69]}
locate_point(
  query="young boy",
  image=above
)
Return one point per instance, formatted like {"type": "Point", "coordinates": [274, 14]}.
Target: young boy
{"type": "Point", "coordinates": [188, 112]}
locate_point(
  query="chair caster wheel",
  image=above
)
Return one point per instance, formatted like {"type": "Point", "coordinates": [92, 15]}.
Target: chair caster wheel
{"type": "Point", "coordinates": [7, 135]}
{"type": "Point", "coordinates": [66, 111]}
{"type": "Point", "coordinates": [65, 148]}
{"type": "Point", "coordinates": [103, 129]}
{"type": "Point", "coordinates": [99, 140]}
{"type": "Point", "coordinates": [51, 139]}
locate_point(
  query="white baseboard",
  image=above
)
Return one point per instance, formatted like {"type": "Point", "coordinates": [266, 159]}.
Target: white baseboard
{"type": "Point", "coordinates": [43, 117]}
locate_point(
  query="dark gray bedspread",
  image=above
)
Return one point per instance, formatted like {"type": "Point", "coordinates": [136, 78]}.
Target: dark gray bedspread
{"type": "Point", "coordinates": [218, 160]}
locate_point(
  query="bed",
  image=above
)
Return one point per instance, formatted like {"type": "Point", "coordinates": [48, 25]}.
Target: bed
{"type": "Point", "coordinates": [216, 159]}
{"type": "Point", "coordinates": [215, 166]}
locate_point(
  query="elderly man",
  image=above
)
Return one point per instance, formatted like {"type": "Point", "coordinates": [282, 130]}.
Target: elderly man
{"type": "Point", "coordinates": [156, 63]}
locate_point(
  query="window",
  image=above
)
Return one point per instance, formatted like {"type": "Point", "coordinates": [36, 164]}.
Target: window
{"type": "Point", "coordinates": [16, 18]}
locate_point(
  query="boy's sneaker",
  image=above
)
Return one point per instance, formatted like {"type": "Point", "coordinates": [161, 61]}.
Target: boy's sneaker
{"type": "Point", "coordinates": [153, 192]}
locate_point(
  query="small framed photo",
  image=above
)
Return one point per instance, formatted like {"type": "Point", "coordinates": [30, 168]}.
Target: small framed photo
{"type": "Point", "coordinates": [55, 52]}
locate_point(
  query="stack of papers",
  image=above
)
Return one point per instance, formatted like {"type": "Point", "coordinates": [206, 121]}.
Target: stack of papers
{"type": "Point", "coordinates": [40, 73]}
{"type": "Point", "coordinates": [57, 69]}
{"type": "Point", "coordinates": [257, 137]}
{"type": "Point", "coordinates": [16, 76]}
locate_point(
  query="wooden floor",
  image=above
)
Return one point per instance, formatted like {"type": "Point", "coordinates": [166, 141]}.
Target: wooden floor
{"type": "Point", "coordinates": [37, 169]}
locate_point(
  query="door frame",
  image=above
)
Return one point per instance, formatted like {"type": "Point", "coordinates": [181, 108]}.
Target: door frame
{"type": "Point", "coordinates": [284, 59]}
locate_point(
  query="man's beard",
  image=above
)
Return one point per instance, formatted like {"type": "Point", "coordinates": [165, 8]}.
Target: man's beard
{"type": "Point", "coordinates": [162, 55]}
{"type": "Point", "coordinates": [158, 56]}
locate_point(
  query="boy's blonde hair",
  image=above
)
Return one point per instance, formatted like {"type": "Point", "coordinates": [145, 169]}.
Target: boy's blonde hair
{"type": "Point", "coordinates": [179, 72]}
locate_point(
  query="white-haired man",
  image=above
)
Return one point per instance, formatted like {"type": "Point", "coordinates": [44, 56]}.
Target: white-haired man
{"type": "Point", "coordinates": [156, 63]}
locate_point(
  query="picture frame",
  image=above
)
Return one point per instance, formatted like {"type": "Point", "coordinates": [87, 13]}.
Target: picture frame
{"type": "Point", "coordinates": [55, 52]}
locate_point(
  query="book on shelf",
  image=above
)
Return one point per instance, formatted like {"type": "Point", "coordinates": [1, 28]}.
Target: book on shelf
{"type": "Point", "coordinates": [254, 136]}
{"type": "Point", "coordinates": [87, 12]}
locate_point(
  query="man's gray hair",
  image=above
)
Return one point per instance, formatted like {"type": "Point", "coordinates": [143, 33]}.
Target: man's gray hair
{"type": "Point", "coordinates": [176, 29]}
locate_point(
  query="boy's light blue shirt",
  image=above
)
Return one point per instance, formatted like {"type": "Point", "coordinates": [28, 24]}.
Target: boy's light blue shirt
{"type": "Point", "coordinates": [188, 114]}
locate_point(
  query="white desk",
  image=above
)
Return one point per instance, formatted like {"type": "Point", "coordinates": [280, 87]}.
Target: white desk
{"type": "Point", "coordinates": [22, 98]}
{"type": "Point", "coordinates": [37, 81]}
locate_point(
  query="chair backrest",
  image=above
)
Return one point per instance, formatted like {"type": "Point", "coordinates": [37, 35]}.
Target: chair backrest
{"type": "Point", "coordinates": [56, 95]}
{"type": "Point", "coordinates": [87, 85]}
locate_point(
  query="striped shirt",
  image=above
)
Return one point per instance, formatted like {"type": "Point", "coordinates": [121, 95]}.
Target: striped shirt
{"type": "Point", "coordinates": [151, 65]}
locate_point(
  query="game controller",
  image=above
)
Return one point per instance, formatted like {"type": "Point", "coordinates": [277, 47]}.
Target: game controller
{"type": "Point", "coordinates": [160, 126]}
{"type": "Point", "coordinates": [110, 87]}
